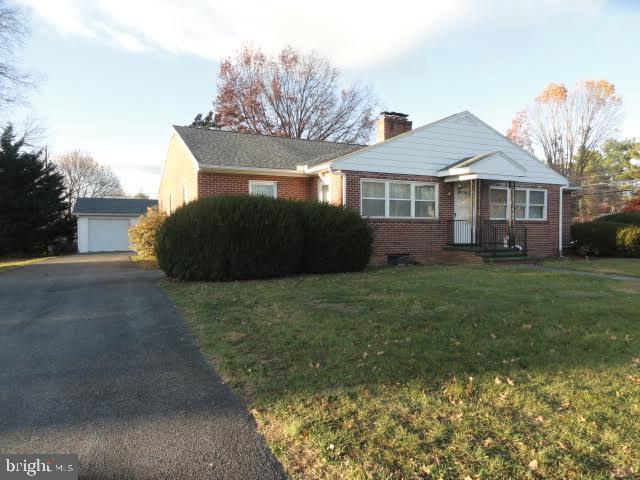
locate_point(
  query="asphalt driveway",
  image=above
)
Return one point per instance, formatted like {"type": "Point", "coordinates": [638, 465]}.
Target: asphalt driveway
{"type": "Point", "coordinates": [95, 360]}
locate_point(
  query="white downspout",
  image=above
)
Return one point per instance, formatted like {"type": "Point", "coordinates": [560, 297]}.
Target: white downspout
{"type": "Point", "coordinates": [561, 211]}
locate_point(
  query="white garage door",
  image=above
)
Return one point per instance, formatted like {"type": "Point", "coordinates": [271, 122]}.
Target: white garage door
{"type": "Point", "coordinates": [108, 234]}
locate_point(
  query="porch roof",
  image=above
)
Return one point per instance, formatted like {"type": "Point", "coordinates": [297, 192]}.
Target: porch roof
{"type": "Point", "coordinates": [485, 166]}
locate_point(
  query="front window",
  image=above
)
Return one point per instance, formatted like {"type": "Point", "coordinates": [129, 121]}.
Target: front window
{"type": "Point", "coordinates": [529, 203]}
{"type": "Point", "coordinates": [498, 198]}
{"type": "Point", "coordinates": [263, 189]}
{"type": "Point", "coordinates": [398, 199]}
{"type": "Point", "coordinates": [373, 199]}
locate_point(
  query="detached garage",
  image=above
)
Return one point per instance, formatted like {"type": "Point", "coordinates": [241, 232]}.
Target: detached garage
{"type": "Point", "coordinates": [103, 223]}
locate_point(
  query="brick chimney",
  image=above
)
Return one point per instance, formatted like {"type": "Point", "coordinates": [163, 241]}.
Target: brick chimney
{"type": "Point", "coordinates": [391, 124]}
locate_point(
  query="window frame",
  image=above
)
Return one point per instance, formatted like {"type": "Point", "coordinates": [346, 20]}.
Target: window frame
{"type": "Point", "coordinates": [412, 199]}
{"type": "Point", "coordinates": [264, 182]}
{"type": "Point", "coordinates": [324, 182]}
{"type": "Point", "coordinates": [527, 203]}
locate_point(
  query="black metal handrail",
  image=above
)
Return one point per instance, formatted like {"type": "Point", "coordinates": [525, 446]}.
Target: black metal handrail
{"type": "Point", "coordinates": [489, 235]}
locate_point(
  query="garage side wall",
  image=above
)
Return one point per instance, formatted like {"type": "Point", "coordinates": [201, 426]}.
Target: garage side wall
{"type": "Point", "coordinates": [179, 183]}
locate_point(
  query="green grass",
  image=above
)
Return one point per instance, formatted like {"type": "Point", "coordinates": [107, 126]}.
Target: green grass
{"type": "Point", "coordinates": [6, 264]}
{"type": "Point", "coordinates": [444, 372]}
{"type": "Point", "coordinates": [620, 266]}
{"type": "Point", "coordinates": [144, 263]}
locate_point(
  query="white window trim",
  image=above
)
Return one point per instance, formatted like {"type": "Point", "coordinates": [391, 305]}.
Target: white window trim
{"type": "Point", "coordinates": [413, 198]}
{"type": "Point", "coordinates": [527, 204]}
{"type": "Point", "coordinates": [322, 181]}
{"type": "Point", "coordinates": [264, 182]}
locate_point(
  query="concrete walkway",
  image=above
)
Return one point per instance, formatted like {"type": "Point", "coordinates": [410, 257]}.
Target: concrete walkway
{"type": "Point", "coordinates": [612, 276]}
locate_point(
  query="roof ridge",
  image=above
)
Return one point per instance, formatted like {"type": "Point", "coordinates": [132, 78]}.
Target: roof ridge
{"type": "Point", "coordinates": [271, 136]}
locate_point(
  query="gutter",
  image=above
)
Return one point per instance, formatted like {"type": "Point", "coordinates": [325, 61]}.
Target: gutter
{"type": "Point", "coordinates": [561, 211]}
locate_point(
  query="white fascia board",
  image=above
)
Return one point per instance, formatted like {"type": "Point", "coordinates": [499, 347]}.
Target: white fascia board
{"type": "Point", "coordinates": [253, 170]}
{"type": "Point", "coordinates": [127, 215]}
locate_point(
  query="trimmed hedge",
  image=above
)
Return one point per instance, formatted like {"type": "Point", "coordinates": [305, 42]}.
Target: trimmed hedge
{"type": "Point", "coordinates": [632, 218]}
{"type": "Point", "coordinates": [231, 238]}
{"type": "Point", "coordinates": [628, 240]}
{"type": "Point", "coordinates": [597, 238]}
{"type": "Point", "coordinates": [335, 239]}
{"type": "Point", "coordinates": [248, 237]}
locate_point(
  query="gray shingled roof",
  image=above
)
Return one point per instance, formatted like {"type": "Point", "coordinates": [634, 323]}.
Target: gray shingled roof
{"type": "Point", "coordinates": [230, 149]}
{"type": "Point", "coordinates": [112, 206]}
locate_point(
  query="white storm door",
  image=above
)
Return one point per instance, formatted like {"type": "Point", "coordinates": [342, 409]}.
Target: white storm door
{"type": "Point", "coordinates": [462, 213]}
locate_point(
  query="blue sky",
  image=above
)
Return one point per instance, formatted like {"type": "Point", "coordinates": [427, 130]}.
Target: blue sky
{"type": "Point", "coordinates": [116, 74]}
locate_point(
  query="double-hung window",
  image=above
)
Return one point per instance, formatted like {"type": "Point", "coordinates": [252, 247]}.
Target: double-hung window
{"type": "Point", "coordinates": [529, 203]}
{"type": "Point", "coordinates": [397, 199]}
{"type": "Point", "coordinates": [262, 188]}
{"type": "Point", "coordinates": [499, 203]}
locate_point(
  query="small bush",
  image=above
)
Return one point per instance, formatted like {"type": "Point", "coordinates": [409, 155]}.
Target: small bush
{"type": "Point", "coordinates": [231, 238]}
{"type": "Point", "coordinates": [628, 240]}
{"type": "Point", "coordinates": [597, 237]}
{"type": "Point", "coordinates": [336, 239]}
{"type": "Point", "coordinates": [623, 217]}
{"type": "Point", "coordinates": [142, 236]}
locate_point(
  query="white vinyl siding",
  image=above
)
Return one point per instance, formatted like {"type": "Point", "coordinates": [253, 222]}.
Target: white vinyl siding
{"type": "Point", "coordinates": [398, 199]}
{"type": "Point", "coordinates": [432, 147]}
{"type": "Point", "coordinates": [530, 203]}
{"type": "Point", "coordinates": [262, 188]}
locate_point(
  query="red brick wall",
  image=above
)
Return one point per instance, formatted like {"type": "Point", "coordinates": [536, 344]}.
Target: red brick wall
{"type": "Point", "coordinates": [542, 235]}
{"type": "Point", "coordinates": [425, 239]}
{"type": "Point", "coordinates": [421, 238]}
{"type": "Point", "coordinates": [210, 183]}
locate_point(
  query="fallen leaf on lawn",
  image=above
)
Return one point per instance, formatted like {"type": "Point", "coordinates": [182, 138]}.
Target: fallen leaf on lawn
{"type": "Point", "coordinates": [581, 418]}
{"type": "Point", "coordinates": [380, 353]}
{"type": "Point", "coordinates": [305, 434]}
{"type": "Point", "coordinates": [526, 326]}
{"type": "Point", "coordinates": [488, 442]}
{"type": "Point", "coordinates": [533, 465]}
{"type": "Point", "coordinates": [493, 335]}
{"type": "Point", "coordinates": [510, 382]}
{"type": "Point", "coordinates": [456, 417]}
{"type": "Point", "coordinates": [636, 361]}
{"type": "Point", "coordinates": [562, 446]}
{"type": "Point", "coordinates": [502, 396]}
{"type": "Point", "coordinates": [539, 419]}
{"type": "Point", "coordinates": [497, 381]}
{"type": "Point", "coordinates": [635, 379]}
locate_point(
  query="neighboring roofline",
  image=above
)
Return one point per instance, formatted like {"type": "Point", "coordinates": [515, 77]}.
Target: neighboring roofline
{"type": "Point", "coordinates": [281, 172]}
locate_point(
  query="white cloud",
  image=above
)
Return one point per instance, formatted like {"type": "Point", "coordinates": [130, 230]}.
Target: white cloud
{"type": "Point", "coordinates": [353, 34]}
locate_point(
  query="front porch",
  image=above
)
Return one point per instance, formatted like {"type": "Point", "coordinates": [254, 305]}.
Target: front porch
{"type": "Point", "coordinates": [487, 224]}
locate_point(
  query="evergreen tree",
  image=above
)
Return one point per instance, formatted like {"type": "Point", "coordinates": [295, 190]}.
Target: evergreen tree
{"type": "Point", "coordinates": [33, 201]}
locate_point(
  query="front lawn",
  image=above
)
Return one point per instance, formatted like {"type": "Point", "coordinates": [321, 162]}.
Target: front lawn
{"type": "Point", "coordinates": [620, 266]}
{"type": "Point", "coordinates": [6, 264]}
{"type": "Point", "coordinates": [443, 372]}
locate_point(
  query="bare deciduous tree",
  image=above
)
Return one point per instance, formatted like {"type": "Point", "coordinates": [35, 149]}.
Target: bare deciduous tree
{"type": "Point", "coordinates": [84, 177]}
{"type": "Point", "coordinates": [292, 95]}
{"type": "Point", "coordinates": [12, 32]}
{"type": "Point", "coordinates": [565, 126]}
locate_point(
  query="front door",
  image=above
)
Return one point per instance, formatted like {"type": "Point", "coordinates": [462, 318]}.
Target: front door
{"type": "Point", "coordinates": [462, 213]}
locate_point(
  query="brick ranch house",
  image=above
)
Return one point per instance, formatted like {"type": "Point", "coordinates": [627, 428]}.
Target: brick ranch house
{"type": "Point", "coordinates": [452, 190]}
